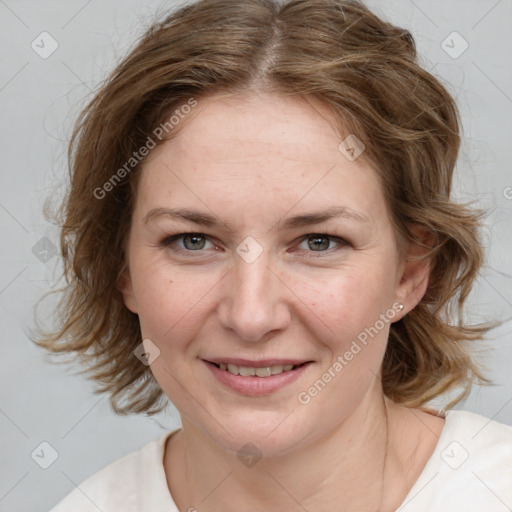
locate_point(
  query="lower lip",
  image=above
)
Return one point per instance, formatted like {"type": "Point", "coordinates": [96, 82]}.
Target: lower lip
{"type": "Point", "coordinates": [255, 386]}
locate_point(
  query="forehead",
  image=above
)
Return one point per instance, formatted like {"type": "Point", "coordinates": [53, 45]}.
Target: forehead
{"type": "Point", "coordinates": [246, 127]}
{"type": "Point", "coordinates": [263, 150]}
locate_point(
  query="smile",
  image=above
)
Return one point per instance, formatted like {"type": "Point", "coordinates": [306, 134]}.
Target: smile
{"type": "Point", "coordinates": [256, 378]}
{"type": "Point", "coordinates": [251, 371]}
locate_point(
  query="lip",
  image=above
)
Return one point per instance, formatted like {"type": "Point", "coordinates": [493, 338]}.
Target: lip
{"type": "Point", "coordinates": [256, 386]}
{"type": "Point", "coordinates": [255, 364]}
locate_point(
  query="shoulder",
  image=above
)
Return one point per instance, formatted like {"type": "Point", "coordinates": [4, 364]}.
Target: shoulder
{"type": "Point", "coordinates": [478, 430]}
{"type": "Point", "coordinates": [470, 468]}
{"type": "Point", "coordinates": [484, 444]}
{"type": "Point", "coordinates": [127, 484]}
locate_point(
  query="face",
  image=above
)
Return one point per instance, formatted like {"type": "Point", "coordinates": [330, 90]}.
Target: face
{"type": "Point", "coordinates": [256, 243]}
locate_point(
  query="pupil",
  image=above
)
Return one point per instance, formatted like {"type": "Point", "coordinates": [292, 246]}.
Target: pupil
{"type": "Point", "coordinates": [194, 242]}
{"type": "Point", "coordinates": [318, 243]}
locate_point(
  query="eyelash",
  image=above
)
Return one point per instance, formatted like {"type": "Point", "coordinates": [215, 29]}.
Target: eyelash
{"type": "Point", "coordinates": [168, 241]}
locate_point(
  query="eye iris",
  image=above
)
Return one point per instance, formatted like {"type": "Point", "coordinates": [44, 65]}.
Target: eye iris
{"type": "Point", "coordinates": [318, 243]}
{"type": "Point", "coordinates": [194, 242]}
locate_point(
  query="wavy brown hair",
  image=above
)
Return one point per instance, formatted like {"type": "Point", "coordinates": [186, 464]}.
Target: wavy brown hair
{"type": "Point", "coordinates": [366, 71]}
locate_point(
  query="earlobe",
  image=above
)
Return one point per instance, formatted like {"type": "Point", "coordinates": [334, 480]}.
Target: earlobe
{"type": "Point", "coordinates": [125, 286]}
{"type": "Point", "coordinates": [415, 271]}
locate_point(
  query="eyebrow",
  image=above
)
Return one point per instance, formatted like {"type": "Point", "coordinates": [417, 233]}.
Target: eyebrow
{"type": "Point", "coordinates": [205, 219]}
{"type": "Point", "coordinates": [307, 219]}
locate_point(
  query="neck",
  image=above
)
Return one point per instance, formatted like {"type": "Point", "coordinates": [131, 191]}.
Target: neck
{"type": "Point", "coordinates": [359, 465]}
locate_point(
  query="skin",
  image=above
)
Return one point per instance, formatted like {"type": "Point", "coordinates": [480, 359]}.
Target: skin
{"type": "Point", "coordinates": [253, 161]}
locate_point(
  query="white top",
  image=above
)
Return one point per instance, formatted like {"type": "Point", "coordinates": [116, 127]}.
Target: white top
{"type": "Point", "coordinates": [469, 471]}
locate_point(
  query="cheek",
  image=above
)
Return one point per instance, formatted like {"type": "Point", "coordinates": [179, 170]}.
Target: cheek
{"type": "Point", "coordinates": [347, 302]}
{"type": "Point", "coordinates": [170, 302]}
{"type": "Point", "coordinates": [348, 328]}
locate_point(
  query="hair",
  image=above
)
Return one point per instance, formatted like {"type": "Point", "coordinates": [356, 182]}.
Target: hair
{"type": "Point", "coordinates": [366, 71]}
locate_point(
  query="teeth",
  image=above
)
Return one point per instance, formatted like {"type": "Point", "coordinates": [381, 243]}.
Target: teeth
{"type": "Point", "coordinates": [264, 372]}
{"type": "Point", "coordinates": [246, 371]}
{"type": "Point", "coordinates": [232, 368]}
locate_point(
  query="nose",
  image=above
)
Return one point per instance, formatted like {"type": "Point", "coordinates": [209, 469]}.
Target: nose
{"type": "Point", "coordinates": [255, 301]}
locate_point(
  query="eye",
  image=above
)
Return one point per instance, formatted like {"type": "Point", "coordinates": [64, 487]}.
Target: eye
{"type": "Point", "coordinates": [320, 243]}
{"type": "Point", "coordinates": [194, 242]}
{"type": "Point", "coordinates": [188, 242]}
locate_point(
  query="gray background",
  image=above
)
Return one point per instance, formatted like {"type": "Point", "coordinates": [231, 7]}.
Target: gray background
{"type": "Point", "coordinates": [39, 99]}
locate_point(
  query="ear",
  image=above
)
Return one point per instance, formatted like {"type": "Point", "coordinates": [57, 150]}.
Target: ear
{"type": "Point", "coordinates": [414, 271]}
{"type": "Point", "coordinates": [125, 286]}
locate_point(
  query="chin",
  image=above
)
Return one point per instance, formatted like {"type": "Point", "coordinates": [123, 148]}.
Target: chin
{"type": "Point", "coordinates": [266, 434]}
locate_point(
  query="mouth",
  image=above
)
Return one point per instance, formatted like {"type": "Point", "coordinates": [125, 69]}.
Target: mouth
{"type": "Point", "coordinates": [257, 378]}
{"type": "Point", "coordinates": [257, 371]}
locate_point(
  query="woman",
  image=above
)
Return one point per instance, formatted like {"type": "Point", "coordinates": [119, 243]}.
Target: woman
{"type": "Point", "coordinates": [259, 228]}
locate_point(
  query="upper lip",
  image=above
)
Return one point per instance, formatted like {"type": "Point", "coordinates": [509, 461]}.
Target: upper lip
{"type": "Point", "coordinates": [262, 363]}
